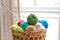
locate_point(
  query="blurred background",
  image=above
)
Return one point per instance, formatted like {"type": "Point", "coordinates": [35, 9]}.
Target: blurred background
{"type": "Point", "coordinates": [13, 10]}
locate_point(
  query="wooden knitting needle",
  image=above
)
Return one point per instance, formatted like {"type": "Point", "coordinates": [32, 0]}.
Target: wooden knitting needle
{"type": "Point", "coordinates": [18, 8]}
{"type": "Point", "coordinates": [21, 12]}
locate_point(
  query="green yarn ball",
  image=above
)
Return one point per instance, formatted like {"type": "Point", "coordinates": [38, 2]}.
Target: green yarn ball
{"type": "Point", "coordinates": [32, 19]}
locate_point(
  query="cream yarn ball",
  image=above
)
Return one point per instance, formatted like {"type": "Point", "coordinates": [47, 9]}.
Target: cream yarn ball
{"type": "Point", "coordinates": [39, 26]}
{"type": "Point", "coordinates": [31, 28]}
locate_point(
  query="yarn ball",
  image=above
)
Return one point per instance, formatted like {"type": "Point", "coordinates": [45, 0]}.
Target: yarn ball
{"type": "Point", "coordinates": [19, 22]}
{"type": "Point", "coordinates": [38, 26]}
{"type": "Point", "coordinates": [24, 25]}
{"type": "Point", "coordinates": [16, 28]}
{"type": "Point", "coordinates": [31, 28]}
{"type": "Point", "coordinates": [32, 19]}
{"type": "Point", "coordinates": [44, 23]}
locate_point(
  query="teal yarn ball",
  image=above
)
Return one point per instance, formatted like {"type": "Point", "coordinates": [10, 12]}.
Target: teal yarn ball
{"type": "Point", "coordinates": [24, 25]}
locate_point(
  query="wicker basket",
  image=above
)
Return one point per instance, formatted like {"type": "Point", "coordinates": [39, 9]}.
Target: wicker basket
{"type": "Point", "coordinates": [40, 35]}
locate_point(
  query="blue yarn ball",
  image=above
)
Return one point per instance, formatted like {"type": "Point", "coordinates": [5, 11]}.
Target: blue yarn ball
{"type": "Point", "coordinates": [24, 25]}
{"type": "Point", "coordinates": [44, 23]}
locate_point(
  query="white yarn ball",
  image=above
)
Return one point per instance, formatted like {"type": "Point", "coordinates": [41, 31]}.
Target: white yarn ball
{"type": "Point", "coordinates": [39, 26]}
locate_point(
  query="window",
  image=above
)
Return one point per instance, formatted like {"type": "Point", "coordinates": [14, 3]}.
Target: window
{"type": "Point", "coordinates": [40, 3]}
{"type": "Point", "coordinates": [45, 9]}
{"type": "Point", "coordinates": [47, 6]}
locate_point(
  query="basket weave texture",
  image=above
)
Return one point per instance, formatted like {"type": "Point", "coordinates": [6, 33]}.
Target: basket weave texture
{"type": "Point", "coordinates": [39, 35]}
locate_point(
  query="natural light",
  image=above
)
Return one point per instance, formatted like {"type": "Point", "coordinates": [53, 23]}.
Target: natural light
{"type": "Point", "coordinates": [53, 21]}
{"type": "Point", "coordinates": [50, 6]}
{"type": "Point", "coordinates": [48, 10]}
{"type": "Point", "coordinates": [40, 3]}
